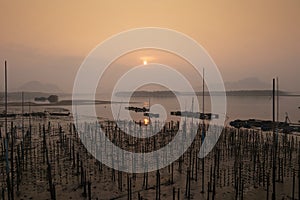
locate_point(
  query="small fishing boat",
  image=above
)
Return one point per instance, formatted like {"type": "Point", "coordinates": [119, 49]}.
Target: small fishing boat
{"type": "Point", "coordinates": [58, 112]}
{"type": "Point", "coordinates": [137, 109]}
{"type": "Point", "coordinates": [151, 115]}
{"type": "Point", "coordinates": [9, 115]}
{"type": "Point", "coordinates": [197, 115]}
{"type": "Point", "coordinates": [35, 114]}
{"type": "Point", "coordinates": [265, 125]}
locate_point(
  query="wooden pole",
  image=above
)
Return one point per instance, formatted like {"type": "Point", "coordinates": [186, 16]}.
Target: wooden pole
{"type": "Point", "coordinates": [12, 160]}
{"type": "Point", "coordinates": [5, 98]}
{"type": "Point", "coordinates": [298, 172]}
{"type": "Point", "coordinates": [203, 134]}
{"type": "Point", "coordinates": [6, 134]}
{"type": "Point", "coordinates": [157, 185]}
{"type": "Point", "coordinates": [203, 82]}
{"type": "Point", "coordinates": [293, 190]}
{"type": "Point", "coordinates": [23, 116]}
{"type": "Point", "coordinates": [274, 148]}
{"type": "Point", "coordinates": [7, 169]}
{"type": "Point", "coordinates": [268, 183]}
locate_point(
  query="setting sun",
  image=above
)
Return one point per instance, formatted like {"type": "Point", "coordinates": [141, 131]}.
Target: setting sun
{"type": "Point", "coordinates": [172, 99]}
{"type": "Point", "coordinates": [146, 121]}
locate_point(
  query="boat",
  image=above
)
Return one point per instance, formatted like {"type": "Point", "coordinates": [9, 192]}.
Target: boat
{"type": "Point", "coordinates": [265, 125]}
{"type": "Point", "coordinates": [9, 115]}
{"type": "Point", "coordinates": [151, 115]}
{"type": "Point", "coordinates": [35, 114]}
{"type": "Point", "coordinates": [137, 109]}
{"type": "Point", "coordinates": [198, 115]}
{"type": "Point", "coordinates": [59, 113]}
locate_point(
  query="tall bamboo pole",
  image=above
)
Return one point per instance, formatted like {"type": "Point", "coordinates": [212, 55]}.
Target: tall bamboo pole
{"type": "Point", "coordinates": [5, 98]}
{"type": "Point", "coordinates": [7, 136]}
{"type": "Point", "coordinates": [274, 147]}
{"type": "Point", "coordinates": [23, 116]}
{"type": "Point", "coordinates": [203, 132]}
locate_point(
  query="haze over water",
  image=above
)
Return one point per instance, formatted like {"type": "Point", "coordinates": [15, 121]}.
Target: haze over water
{"type": "Point", "coordinates": [61, 151]}
{"type": "Point", "coordinates": [238, 107]}
{"type": "Point", "coordinates": [48, 41]}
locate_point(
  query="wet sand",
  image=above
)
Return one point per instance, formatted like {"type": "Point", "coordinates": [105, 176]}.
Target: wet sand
{"type": "Point", "coordinates": [239, 167]}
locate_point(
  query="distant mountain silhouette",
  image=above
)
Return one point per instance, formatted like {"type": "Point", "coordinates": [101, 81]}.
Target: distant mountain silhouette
{"type": "Point", "coordinates": [215, 93]}
{"type": "Point", "coordinates": [36, 86]}
{"type": "Point", "coordinates": [251, 83]}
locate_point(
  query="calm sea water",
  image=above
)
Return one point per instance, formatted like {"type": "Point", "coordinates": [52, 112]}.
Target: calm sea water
{"type": "Point", "coordinates": [238, 107]}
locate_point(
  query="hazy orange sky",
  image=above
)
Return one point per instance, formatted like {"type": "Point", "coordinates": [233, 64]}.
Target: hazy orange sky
{"type": "Point", "coordinates": [47, 40]}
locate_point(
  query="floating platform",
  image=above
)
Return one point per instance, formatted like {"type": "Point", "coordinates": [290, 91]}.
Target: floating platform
{"type": "Point", "coordinates": [137, 109]}
{"type": "Point", "coordinates": [198, 115]}
{"type": "Point", "coordinates": [151, 115]}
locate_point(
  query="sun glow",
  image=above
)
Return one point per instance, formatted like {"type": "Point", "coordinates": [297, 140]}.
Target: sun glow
{"type": "Point", "coordinates": [146, 121]}
{"type": "Point", "coordinates": [145, 62]}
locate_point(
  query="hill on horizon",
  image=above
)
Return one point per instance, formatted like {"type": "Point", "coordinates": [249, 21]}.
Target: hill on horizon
{"type": "Point", "coordinates": [36, 86]}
